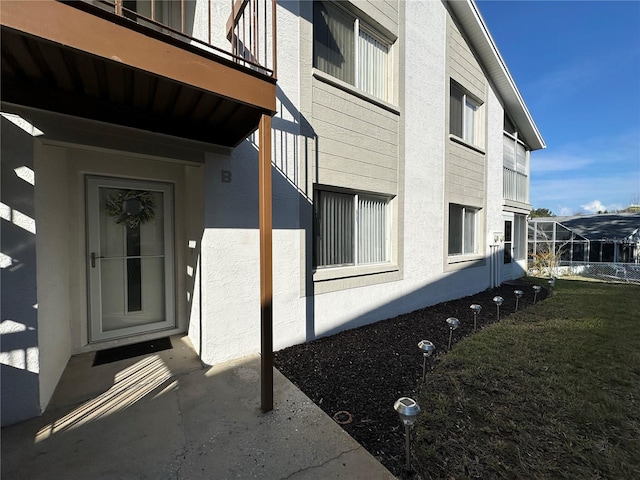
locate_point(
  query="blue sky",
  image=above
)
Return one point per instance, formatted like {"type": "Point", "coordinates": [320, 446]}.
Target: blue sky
{"type": "Point", "coordinates": [577, 66]}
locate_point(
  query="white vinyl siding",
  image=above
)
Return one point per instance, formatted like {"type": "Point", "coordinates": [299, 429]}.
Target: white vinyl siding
{"type": "Point", "coordinates": [363, 63]}
{"type": "Point", "coordinates": [351, 229]}
{"type": "Point", "coordinates": [462, 230]}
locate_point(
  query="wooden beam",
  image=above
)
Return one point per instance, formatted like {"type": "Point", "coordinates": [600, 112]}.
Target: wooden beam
{"type": "Point", "coordinates": [266, 264]}
{"type": "Point", "coordinates": [65, 25]}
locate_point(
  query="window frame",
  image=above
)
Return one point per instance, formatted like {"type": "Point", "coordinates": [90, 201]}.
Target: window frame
{"type": "Point", "coordinates": [464, 101]}
{"type": "Point", "coordinates": [464, 209]}
{"type": "Point", "coordinates": [356, 197]}
{"type": "Point", "coordinates": [359, 25]}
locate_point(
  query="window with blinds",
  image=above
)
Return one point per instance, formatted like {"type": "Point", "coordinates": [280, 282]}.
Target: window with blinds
{"type": "Point", "coordinates": [345, 48]}
{"type": "Point", "coordinates": [462, 230]}
{"type": "Point", "coordinates": [464, 116]}
{"type": "Point", "coordinates": [351, 229]}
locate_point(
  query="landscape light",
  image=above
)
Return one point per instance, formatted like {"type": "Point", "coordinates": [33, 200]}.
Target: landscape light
{"type": "Point", "coordinates": [427, 349]}
{"type": "Point", "coordinates": [552, 283]}
{"type": "Point", "coordinates": [498, 301]}
{"type": "Point", "coordinates": [476, 310]}
{"type": "Point", "coordinates": [518, 294]}
{"type": "Point", "coordinates": [536, 289]}
{"type": "Point", "coordinates": [408, 410]}
{"type": "Point", "coordinates": [453, 324]}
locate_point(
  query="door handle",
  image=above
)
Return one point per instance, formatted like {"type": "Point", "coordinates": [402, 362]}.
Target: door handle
{"type": "Point", "coordinates": [93, 259]}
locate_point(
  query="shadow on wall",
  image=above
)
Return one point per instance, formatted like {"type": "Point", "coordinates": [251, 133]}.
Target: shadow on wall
{"type": "Point", "coordinates": [235, 204]}
{"type": "Point", "coordinates": [19, 319]}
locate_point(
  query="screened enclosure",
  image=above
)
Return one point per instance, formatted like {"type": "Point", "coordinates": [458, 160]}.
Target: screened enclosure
{"type": "Point", "coordinates": [546, 237]}
{"type": "Point", "coordinates": [584, 244]}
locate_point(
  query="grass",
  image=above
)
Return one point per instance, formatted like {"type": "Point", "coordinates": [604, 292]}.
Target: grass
{"type": "Point", "coordinates": [551, 392]}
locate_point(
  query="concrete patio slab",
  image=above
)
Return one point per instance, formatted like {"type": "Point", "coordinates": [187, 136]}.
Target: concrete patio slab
{"type": "Point", "coordinates": [164, 416]}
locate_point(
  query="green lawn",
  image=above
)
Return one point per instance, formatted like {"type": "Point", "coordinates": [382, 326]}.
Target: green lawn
{"type": "Point", "coordinates": [553, 391]}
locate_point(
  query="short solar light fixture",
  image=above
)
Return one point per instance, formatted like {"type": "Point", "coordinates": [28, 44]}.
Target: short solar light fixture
{"type": "Point", "coordinates": [552, 283]}
{"type": "Point", "coordinates": [453, 324]}
{"type": "Point", "coordinates": [498, 301]}
{"type": "Point", "coordinates": [536, 290]}
{"type": "Point", "coordinates": [408, 410]}
{"type": "Point", "coordinates": [476, 310]}
{"type": "Point", "coordinates": [518, 294]}
{"type": "Point", "coordinates": [427, 349]}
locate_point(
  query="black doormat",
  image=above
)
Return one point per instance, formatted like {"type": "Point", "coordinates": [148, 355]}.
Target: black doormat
{"type": "Point", "coordinates": [130, 351]}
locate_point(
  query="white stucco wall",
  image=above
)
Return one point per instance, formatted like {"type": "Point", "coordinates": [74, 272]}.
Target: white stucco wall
{"type": "Point", "coordinates": [230, 256]}
{"type": "Point", "coordinates": [54, 281]}
{"type": "Point", "coordinates": [59, 166]}
{"type": "Point", "coordinates": [20, 361]}
{"type": "Point", "coordinates": [495, 128]}
{"type": "Point", "coordinates": [216, 201]}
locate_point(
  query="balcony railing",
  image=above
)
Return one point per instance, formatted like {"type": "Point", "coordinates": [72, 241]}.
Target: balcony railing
{"type": "Point", "coordinates": [515, 186]}
{"type": "Point", "coordinates": [248, 38]}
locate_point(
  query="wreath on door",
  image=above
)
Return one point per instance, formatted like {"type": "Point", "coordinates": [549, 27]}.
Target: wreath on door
{"type": "Point", "coordinates": [131, 207]}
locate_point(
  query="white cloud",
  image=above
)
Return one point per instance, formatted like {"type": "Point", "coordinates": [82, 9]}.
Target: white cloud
{"type": "Point", "coordinates": [593, 207]}
{"type": "Point", "coordinates": [597, 206]}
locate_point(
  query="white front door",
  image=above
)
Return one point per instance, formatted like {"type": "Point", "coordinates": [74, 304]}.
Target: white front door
{"type": "Point", "coordinates": [129, 257]}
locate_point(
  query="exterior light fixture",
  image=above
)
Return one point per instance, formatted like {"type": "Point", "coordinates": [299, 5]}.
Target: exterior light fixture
{"type": "Point", "coordinates": [427, 349]}
{"type": "Point", "coordinates": [536, 289]}
{"type": "Point", "coordinates": [498, 301]}
{"type": "Point", "coordinates": [408, 410]}
{"type": "Point", "coordinates": [453, 324]}
{"type": "Point", "coordinates": [518, 294]}
{"type": "Point", "coordinates": [552, 283]}
{"type": "Point", "coordinates": [476, 310]}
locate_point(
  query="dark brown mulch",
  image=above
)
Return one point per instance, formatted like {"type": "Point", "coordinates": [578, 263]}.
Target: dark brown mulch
{"type": "Point", "coordinates": [365, 370]}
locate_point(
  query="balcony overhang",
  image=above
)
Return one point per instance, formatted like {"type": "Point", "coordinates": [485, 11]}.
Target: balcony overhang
{"type": "Point", "coordinates": [60, 58]}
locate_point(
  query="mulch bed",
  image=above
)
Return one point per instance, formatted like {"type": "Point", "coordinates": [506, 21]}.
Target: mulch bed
{"type": "Point", "coordinates": [356, 376]}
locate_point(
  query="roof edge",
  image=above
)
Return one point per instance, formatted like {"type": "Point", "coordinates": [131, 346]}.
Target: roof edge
{"type": "Point", "coordinates": [470, 18]}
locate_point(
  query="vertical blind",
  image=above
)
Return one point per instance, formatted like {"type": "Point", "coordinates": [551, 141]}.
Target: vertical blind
{"type": "Point", "coordinates": [345, 50]}
{"type": "Point", "coordinates": [372, 231]}
{"type": "Point", "coordinates": [335, 244]}
{"type": "Point", "coordinates": [455, 112]}
{"type": "Point", "coordinates": [469, 231]}
{"type": "Point", "coordinates": [469, 133]}
{"type": "Point", "coordinates": [333, 42]}
{"type": "Point", "coordinates": [351, 229]}
{"type": "Point", "coordinates": [462, 230]}
{"type": "Point", "coordinates": [514, 155]}
{"type": "Point", "coordinates": [372, 65]}
{"type": "Point", "coordinates": [509, 152]}
{"type": "Point", "coordinates": [521, 159]}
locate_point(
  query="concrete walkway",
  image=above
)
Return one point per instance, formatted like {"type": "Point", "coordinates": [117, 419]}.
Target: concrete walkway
{"type": "Point", "coordinates": [164, 416]}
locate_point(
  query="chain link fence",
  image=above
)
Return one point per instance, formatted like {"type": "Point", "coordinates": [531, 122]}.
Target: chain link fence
{"type": "Point", "coordinates": [609, 272]}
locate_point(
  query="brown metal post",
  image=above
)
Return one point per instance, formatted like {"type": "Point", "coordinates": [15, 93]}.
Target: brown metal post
{"type": "Point", "coordinates": [266, 264]}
